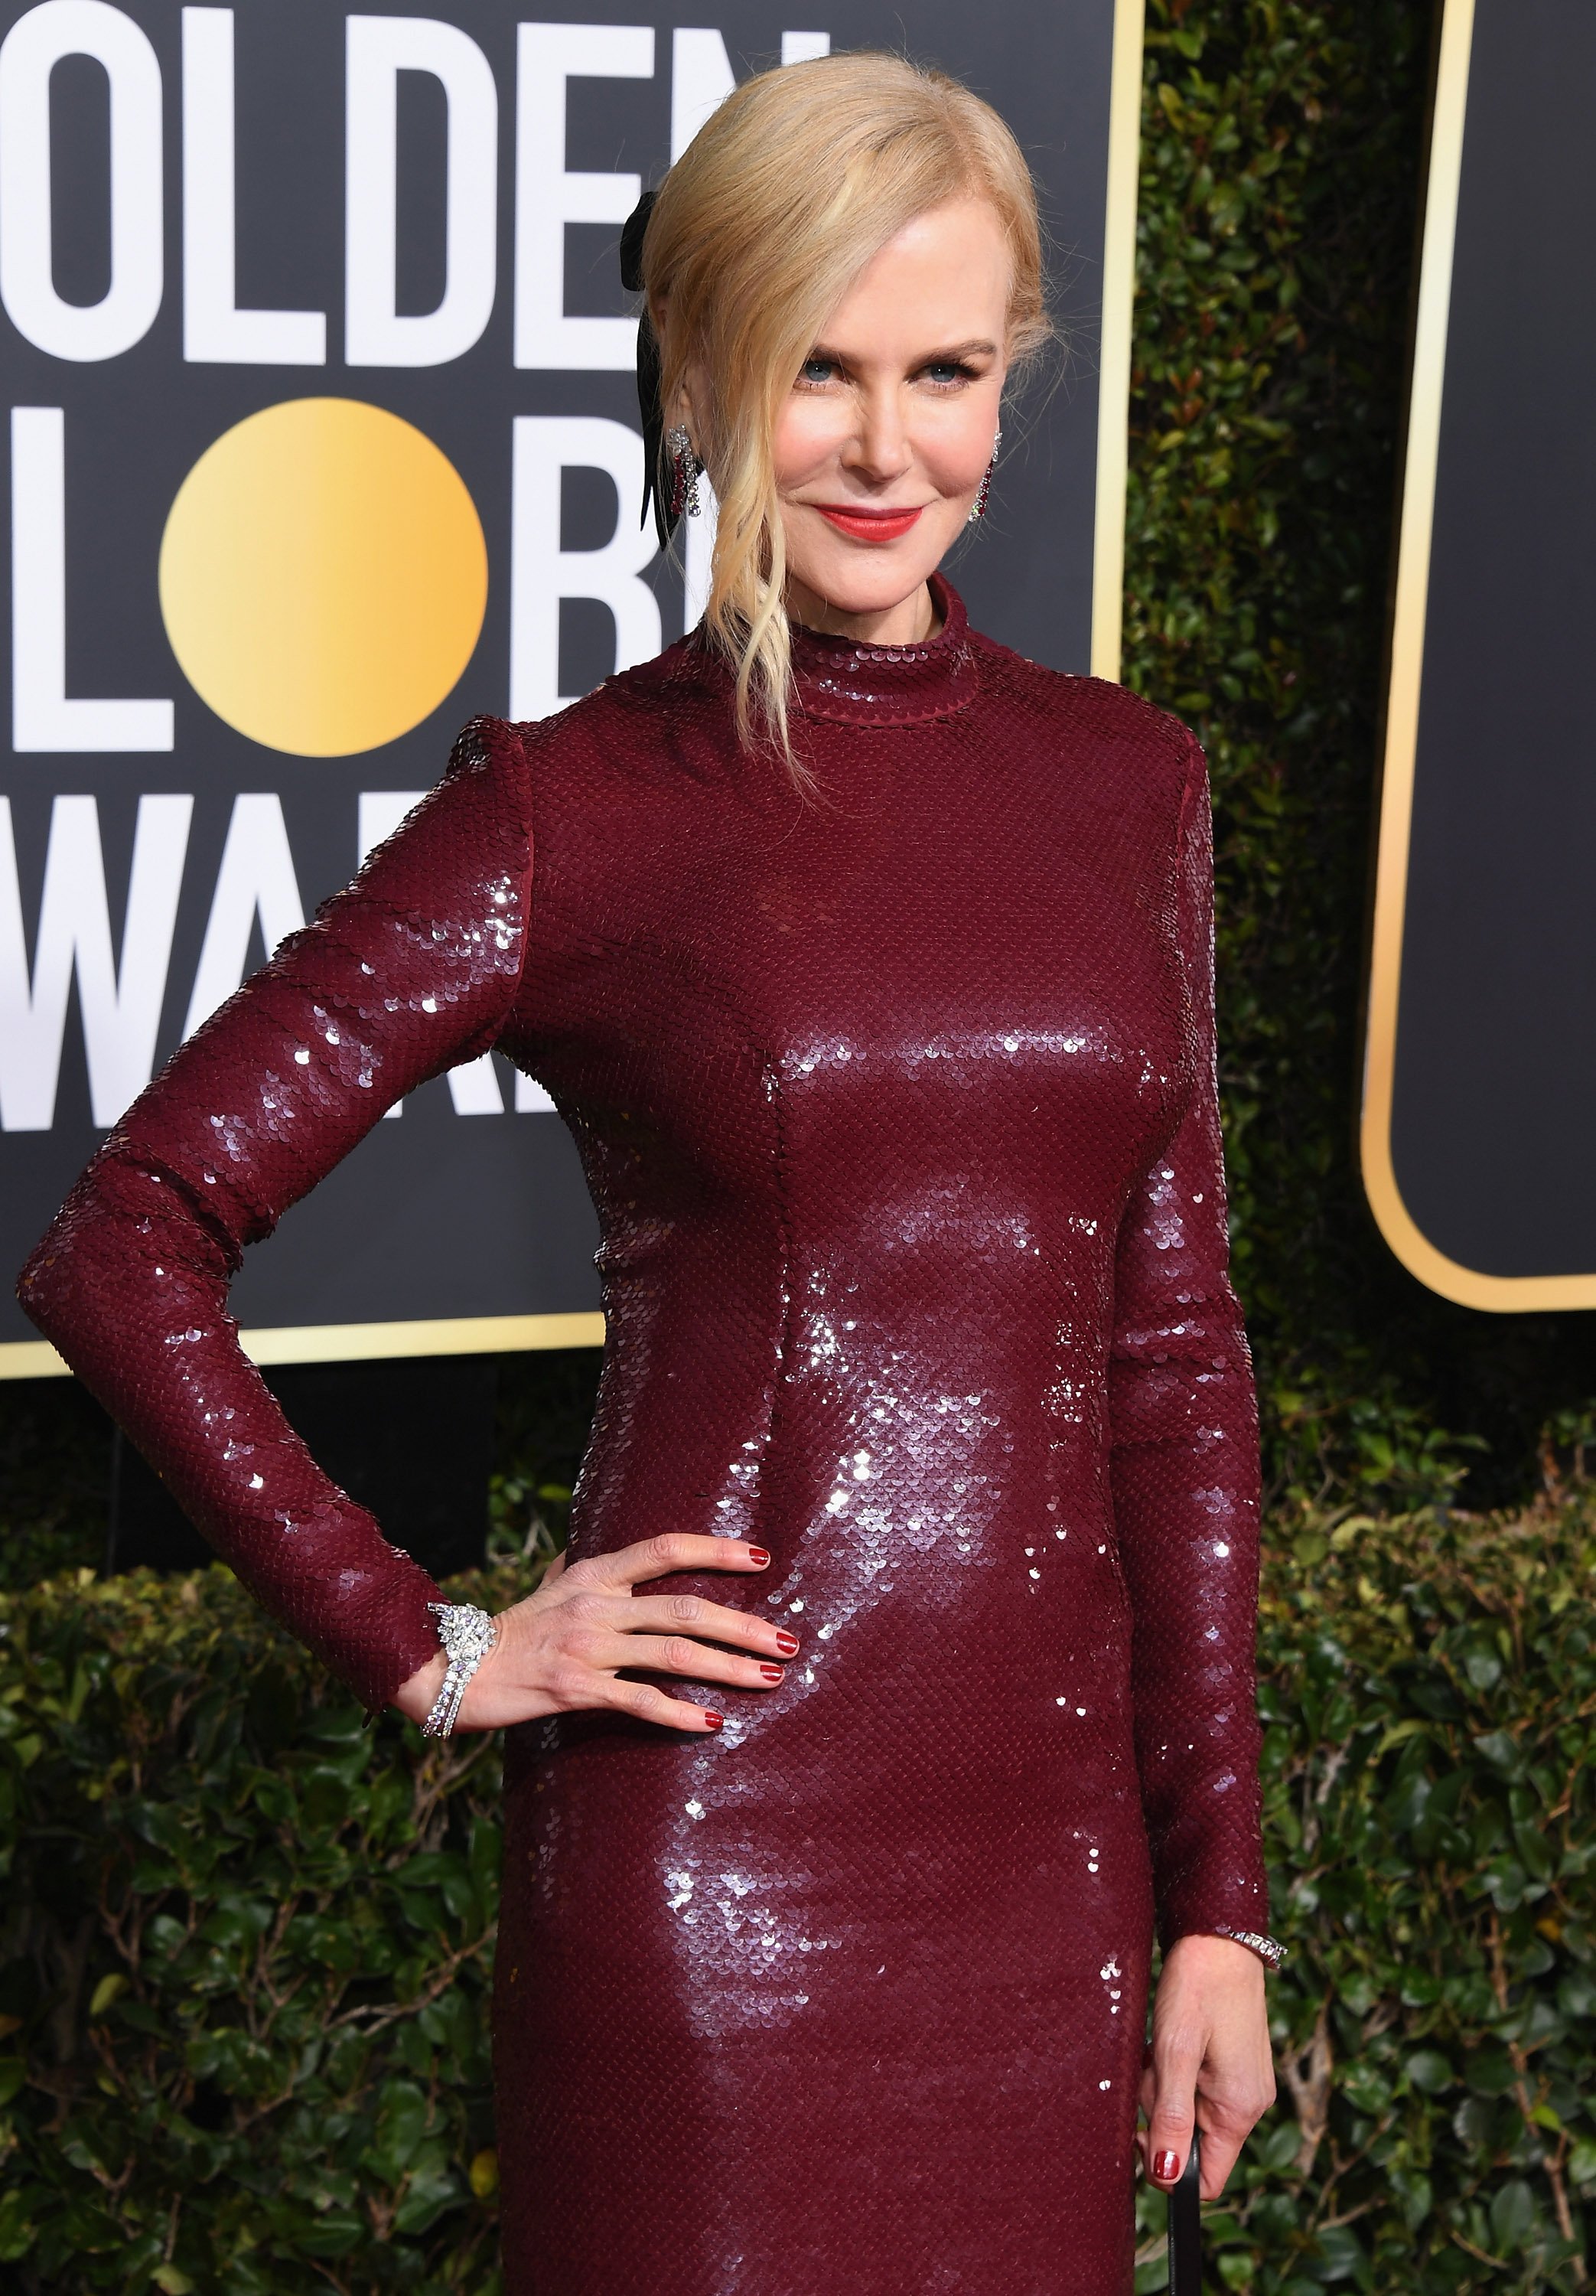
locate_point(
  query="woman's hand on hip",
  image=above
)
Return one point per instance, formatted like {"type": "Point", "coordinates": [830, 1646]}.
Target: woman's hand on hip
{"type": "Point", "coordinates": [1210, 2061]}
{"type": "Point", "coordinates": [563, 1649]}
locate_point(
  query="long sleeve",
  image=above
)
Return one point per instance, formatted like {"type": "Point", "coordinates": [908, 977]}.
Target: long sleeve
{"type": "Point", "coordinates": [1186, 1478]}
{"type": "Point", "coordinates": [410, 969]}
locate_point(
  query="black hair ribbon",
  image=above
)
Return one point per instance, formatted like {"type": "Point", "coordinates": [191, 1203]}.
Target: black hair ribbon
{"type": "Point", "coordinates": [654, 492]}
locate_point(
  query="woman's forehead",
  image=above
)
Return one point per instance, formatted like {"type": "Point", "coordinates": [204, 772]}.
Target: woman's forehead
{"type": "Point", "coordinates": [947, 272]}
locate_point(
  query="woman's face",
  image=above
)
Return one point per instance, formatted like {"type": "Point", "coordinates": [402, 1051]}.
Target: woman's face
{"type": "Point", "coordinates": [887, 434]}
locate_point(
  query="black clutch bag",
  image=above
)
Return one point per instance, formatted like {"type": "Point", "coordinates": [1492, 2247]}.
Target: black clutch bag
{"type": "Point", "coordinates": [1185, 2226]}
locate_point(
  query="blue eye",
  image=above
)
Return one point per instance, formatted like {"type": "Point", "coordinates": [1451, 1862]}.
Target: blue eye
{"type": "Point", "coordinates": [817, 370]}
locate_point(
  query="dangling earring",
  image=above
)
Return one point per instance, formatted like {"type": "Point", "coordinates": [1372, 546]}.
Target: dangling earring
{"type": "Point", "coordinates": [684, 468]}
{"type": "Point", "coordinates": [977, 509]}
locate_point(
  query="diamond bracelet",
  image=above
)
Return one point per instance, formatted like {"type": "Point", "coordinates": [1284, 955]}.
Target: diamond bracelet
{"type": "Point", "coordinates": [467, 1634]}
{"type": "Point", "coordinates": [1267, 1948]}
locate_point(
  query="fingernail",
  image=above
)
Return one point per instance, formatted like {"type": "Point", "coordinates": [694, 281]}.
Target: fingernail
{"type": "Point", "coordinates": [759, 1556]}
{"type": "Point", "coordinates": [785, 1642]}
{"type": "Point", "coordinates": [773, 1673]}
{"type": "Point", "coordinates": [713, 1721]}
{"type": "Point", "coordinates": [1166, 2167]}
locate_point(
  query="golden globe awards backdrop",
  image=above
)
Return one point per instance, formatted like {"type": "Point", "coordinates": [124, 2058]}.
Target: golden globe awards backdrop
{"type": "Point", "coordinates": [1479, 1111]}
{"type": "Point", "coordinates": [322, 434]}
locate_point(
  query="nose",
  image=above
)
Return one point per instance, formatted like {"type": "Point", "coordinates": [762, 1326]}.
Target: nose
{"type": "Point", "coordinates": [878, 450]}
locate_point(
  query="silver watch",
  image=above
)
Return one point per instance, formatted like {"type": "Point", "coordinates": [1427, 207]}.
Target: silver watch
{"type": "Point", "coordinates": [467, 1634]}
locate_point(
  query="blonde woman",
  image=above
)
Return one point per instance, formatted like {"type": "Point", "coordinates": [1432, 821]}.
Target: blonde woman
{"type": "Point", "coordinates": [902, 1668]}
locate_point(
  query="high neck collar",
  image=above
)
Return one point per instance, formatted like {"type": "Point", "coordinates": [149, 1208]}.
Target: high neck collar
{"type": "Point", "coordinates": [861, 684]}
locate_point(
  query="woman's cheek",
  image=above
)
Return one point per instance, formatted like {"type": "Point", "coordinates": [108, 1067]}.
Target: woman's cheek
{"type": "Point", "coordinates": [805, 442]}
{"type": "Point", "coordinates": [954, 456]}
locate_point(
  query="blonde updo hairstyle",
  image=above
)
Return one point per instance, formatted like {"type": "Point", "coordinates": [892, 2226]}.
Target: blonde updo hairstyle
{"type": "Point", "coordinates": [788, 191]}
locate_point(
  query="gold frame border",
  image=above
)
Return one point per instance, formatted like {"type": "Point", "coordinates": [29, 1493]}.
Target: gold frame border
{"type": "Point", "coordinates": [501, 1334]}
{"type": "Point", "coordinates": [1114, 370]}
{"type": "Point", "coordinates": [1468, 1286]}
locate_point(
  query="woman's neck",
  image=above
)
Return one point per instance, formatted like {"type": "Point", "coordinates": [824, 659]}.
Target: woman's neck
{"type": "Point", "coordinates": [913, 620]}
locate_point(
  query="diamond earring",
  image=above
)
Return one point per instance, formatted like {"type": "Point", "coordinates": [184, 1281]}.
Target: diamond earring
{"type": "Point", "coordinates": [977, 509]}
{"type": "Point", "coordinates": [684, 469]}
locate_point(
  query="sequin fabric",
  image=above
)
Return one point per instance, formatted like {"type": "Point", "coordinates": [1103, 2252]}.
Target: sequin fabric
{"type": "Point", "coordinates": [897, 1106]}
{"type": "Point", "coordinates": [388, 986]}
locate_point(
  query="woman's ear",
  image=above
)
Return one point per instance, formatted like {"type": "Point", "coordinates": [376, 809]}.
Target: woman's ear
{"type": "Point", "coordinates": [683, 408]}
{"type": "Point", "coordinates": [690, 408]}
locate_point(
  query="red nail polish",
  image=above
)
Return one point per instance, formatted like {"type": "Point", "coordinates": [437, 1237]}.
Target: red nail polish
{"type": "Point", "coordinates": [785, 1642]}
{"type": "Point", "coordinates": [1166, 2167]}
{"type": "Point", "coordinates": [759, 1556]}
{"type": "Point", "coordinates": [713, 1721]}
{"type": "Point", "coordinates": [773, 1673]}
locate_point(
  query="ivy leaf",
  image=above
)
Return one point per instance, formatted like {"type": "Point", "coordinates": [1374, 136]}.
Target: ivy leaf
{"type": "Point", "coordinates": [109, 1988]}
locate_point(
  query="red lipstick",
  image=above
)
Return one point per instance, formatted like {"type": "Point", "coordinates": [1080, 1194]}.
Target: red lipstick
{"type": "Point", "coordinates": [868, 525]}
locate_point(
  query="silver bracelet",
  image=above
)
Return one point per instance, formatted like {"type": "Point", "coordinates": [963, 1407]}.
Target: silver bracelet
{"type": "Point", "coordinates": [468, 1635]}
{"type": "Point", "coordinates": [1267, 1948]}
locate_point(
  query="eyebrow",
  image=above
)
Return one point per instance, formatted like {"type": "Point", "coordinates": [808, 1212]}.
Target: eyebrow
{"type": "Point", "coordinates": [945, 353]}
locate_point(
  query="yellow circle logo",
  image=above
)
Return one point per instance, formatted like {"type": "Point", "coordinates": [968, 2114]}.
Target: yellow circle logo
{"type": "Point", "coordinates": [323, 577]}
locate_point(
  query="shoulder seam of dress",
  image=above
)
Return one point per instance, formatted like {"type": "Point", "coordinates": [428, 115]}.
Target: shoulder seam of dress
{"type": "Point", "coordinates": [1173, 730]}
{"type": "Point", "coordinates": [504, 739]}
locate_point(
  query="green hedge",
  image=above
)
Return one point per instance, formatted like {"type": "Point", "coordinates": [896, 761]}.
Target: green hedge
{"type": "Point", "coordinates": [247, 1944]}
{"type": "Point", "coordinates": [1282, 150]}
{"type": "Point", "coordinates": [246, 1955]}
{"type": "Point", "coordinates": [1430, 1696]}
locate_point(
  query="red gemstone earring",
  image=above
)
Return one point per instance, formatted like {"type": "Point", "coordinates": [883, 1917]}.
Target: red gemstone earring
{"type": "Point", "coordinates": [977, 509]}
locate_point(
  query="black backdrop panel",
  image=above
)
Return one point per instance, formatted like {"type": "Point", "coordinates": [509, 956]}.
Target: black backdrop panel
{"type": "Point", "coordinates": [1493, 1107]}
{"type": "Point", "coordinates": [441, 1214]}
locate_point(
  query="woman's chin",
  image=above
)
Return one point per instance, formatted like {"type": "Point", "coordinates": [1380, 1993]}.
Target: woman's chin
{"type": "Point", "coordinates": [887, 576]}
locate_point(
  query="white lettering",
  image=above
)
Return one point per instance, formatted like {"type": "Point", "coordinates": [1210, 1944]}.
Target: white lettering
{"type": "Point", "coordinates": [214, 328]}
{"type": "Point", "coordinates": [541, 573]}
{"type": "Point", "coordinates": [256, 880]}
{"type": "Point", "coordinates": [701, 77]}
{"type": "Point", "coordinates": [120, 1006]}
{"type": "Point", "coordinates": [42, 717]}
{"type": "Point", "coordinates": [474, 1088]}
{"type": "Point", "coordinates": [700, 81]}
{"type": "Point", "coordinates": [379, 48]}
{"type": "Point", "coordinates": [547, 199]}
{"type": "Point", "coordinates": [32, 48]}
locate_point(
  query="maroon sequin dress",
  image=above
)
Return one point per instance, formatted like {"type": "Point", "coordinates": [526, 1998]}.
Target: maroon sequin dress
{"type": "Point", "coordinates": [898, 1109]}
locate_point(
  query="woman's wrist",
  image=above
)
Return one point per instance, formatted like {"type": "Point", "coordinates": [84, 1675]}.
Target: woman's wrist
{"type": "Point", "coordinates": [469, 1635]}
{"type": "Point", "coordinates": [416, 1697]}
{"type": "Point", "coordinates": [1227, 1944]}
{"type": "Point", "coordinates": [440, 1692]}
{"type": "Point", "coordinates": [1269, 1950]}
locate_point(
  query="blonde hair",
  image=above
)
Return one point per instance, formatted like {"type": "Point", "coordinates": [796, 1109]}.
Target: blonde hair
{"type": "Point", "coordinates": [785, 195]}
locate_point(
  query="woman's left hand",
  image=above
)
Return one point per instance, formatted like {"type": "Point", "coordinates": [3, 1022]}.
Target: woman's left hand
{"type": "Point", "coordinates": [1210, 2063]}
